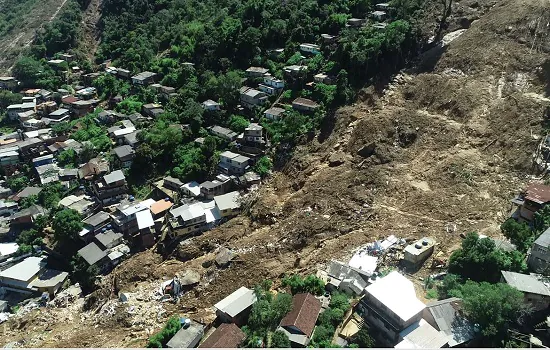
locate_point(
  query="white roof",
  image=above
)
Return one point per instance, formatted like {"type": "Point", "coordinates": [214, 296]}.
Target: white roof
{"type": "Point", "coordinates": [8, 248]}
{"type": "Point", "coordinates": [237, 301]}
{"type": "Point", "coordinates": [364, 262]}
{"type": "Point", "coordinates": [228, 201]}
{"type": "Point", "coordinates": [211, 211]}
{"type": "Point", "coordinates": [125, 131]}
{"type": "Point", "coordinates": [421, 335]}
{"type": "Point", "coordinates": [133, 209]}
{"type": "Point", "coordinates": [25, 270]}
{"type": "Point", "coordinates": [193, 211]}
{"type": "Point", "coordinates": [144, 219]}
{"type": "Point", "coordinates": [193, 187]}
{"type": "Point", "coordinates": [397, 293]}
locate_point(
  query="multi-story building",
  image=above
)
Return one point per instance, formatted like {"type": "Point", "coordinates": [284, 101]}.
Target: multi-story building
{"type": "Point", "coordinates": [111, 188]}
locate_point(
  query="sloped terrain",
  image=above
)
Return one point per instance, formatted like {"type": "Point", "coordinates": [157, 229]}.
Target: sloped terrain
{"type": "Point", "coordinates": [438, 152]}
{"type": "Point", "coordinates": [21, 36]}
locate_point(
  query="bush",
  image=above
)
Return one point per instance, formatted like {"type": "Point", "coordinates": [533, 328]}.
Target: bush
{"type": "Point", "coordinates": [263, 166]}
{"type": "Point", "coordinates": [311, 284]}
{"type": "Point", "coordinates": [160, 339]}
{"type": "Point", "coordinates": [280, 340]}
{"type": "Point", "coordinates": [363, 339]}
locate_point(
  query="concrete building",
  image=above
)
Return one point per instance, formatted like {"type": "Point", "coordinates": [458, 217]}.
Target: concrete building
{"type": "Point", "coordinates": [390, 306]}
{"type": "Point", "coordinates": [111, 188]}
{"type": "Point", "coordinates": [539, 255]}
{"type": "Point", "coordinates": [187, 219]}
{"type": "Point", "coordinates": [228, 204]}
{"type": "Point", "coordinates": [536, 294]}
{"type": "Point", "coordinates": [188, 336]}
{"type": "Point", "coordinates": [252, 98]}
{"type": "Point", "coordinates": [274, 113]}
{"type": "Point", "coordinates": [211, 105]}
{"type": "Point", "coordinates": [128, 220]}
{"type": "Point", "coordinates": [304, 105]}
{"type": "Point", "coordinates": [233, 163]}
{"type": "Point", "coordinates": [446, 316]}
{"type": "Point", "coordinates": [236, 307]}
{"type": "Point", "coordinates": [144, 78]}
{"type": "Point", "coordinates": [124, 156]}
{"type": "Point", "coordinates": [422, 335]}
{"type": "Point", "coordinates": [418, 252]}
{"type": "Point", "coordinates": [255, 72]}
{"type": "Point", "coordinates": [310, 48]}
{"type": "Point", "coordinates": [224, 133]}
{"type": "Point", "coordinates": [219, 186]}
{"type": "Point", "coordinates": [31, 275]}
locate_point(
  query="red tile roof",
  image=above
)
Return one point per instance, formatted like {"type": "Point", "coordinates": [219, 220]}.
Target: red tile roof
{"type": "Point", "coordinates": [538, 193]}
{"type": "Point", "coordinates": [227, 335]}
{"type": "Point", "coordinates": [304, 313]}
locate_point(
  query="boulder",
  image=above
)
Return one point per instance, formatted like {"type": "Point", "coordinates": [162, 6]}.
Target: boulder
{"type": "Point", "coordinates": [336, 159]}
{"type": "Point", "coordinates": [367, 150]}
{"type": "Point", "coordinates": [224, 257]}
{"type": "Point", "coordinates": [190, 277]}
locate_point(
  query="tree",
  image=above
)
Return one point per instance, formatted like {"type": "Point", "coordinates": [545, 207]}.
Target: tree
{"type": "Point", "coordinates": [160, 339]}
{"type": "Point", "coordinates": [518, 233]}
{"type": "Point", "coordinates": [280, 340]}
{"type": "Point", "coordinates": [331, 317]}
{"type": "Point", "coordinates": [492, 306]}
{"type": "Point", "coordinates": [8, 98]}
{"type": "Point", "coordinates": [339, 301]}
{"type": "Point", "coordinates": [263, 166]}
{"type": "Point", "coordinates": [68, 158]}
{"type": "Point", "coordinates": [479, 260]}
{"type": "Point", "coordinates": [50, 195]}
{"type": "Point", "coordinates": [17, 183]}
{"type": "Point", "coordinates": [84, 273]}
{"type": "Point", "coordinates": [310, 284]}
{"type": "Point", "coordinates": [450, 282]}
{"type": "Point", "coordinates": [541, 220]}
{"type": "Point", "coordinates": [62, 128]}
{"type": "Point", "coordinates": [27, 202]}
{"type": "Point", "coordinates": [238, 123]}
{"type": "Point", "coordinates": [27, 70]}
{"type": "Point", "coordinates": [66, 224]}
{"type": "Point", "coordinates": [363, 338]}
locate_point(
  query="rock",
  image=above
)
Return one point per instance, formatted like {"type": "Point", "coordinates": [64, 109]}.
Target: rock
{"type": "Point", "coordinates": [224, 257]}
{"type": "Point", "coordinates": [190, 277]}
{"type": "Point", "coordinates": [367, 150]}
{"type": "Point", "coordinates": [188, 251]}
{"type": "Point", "coordinates": [407, 136]}
{"type": "Point", "coordinates": [465, 22]}
{"type": "Point", "coordinates": [124, 297]}
{"type": "Point", "coordinates": [337, 159]}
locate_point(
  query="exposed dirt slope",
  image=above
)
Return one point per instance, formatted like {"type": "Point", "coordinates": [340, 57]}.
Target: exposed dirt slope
{"type": "Point", "coordinates": [11, 45]}
{"type": "Point", "coordinates": [436, 150]}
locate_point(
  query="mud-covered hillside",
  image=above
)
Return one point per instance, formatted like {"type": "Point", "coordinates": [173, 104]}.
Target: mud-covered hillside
{"type": "Point", "coordinates": [438, 151]}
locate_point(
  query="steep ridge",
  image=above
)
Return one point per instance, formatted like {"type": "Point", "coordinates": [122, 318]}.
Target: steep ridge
{"type": "Point", "coordinates": [439, 151]}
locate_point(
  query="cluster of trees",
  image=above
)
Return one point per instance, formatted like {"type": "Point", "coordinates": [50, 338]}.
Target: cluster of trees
{"type": "Point", "coordinates": [492, 307]}
{"type": "Point", "coordinates": [480, 260]}
{"type": "Point", "coordinates": [266, 314]}
{"type": "Point", "coordinates": [329, 319]}
{"type": "Point", "coordinates": [310, 284]}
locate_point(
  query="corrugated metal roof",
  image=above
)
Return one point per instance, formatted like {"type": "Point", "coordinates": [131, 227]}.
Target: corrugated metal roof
{"type": "Point", "coordinates": [448, 320]}
{"type": "Point", "coordinates": [25, 270]}
{"type": "Point", "coordinates": [544, 239]}
{"type": "Point", "coordinates": [422, 335]}
{"type": "Point", "coordinates": [144, 219]}
{"type": "Point", "coordinates": [525, 283]}
{"type": "Point", "coordinates": [237, 302]}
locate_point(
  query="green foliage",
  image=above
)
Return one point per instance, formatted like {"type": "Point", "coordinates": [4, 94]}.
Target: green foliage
{"type": "Point", "coordinates": [541, 220]}
{"type": "Point", "coordinates": [62, 33]}
{"type": "Point", "coordinates": [8, 98]}
{"type": "Point", "coordinates": [50, 195]}
{"type": "Point", "coordinates": [268, 311]}
{"type": "Point", "coordinates": [279, 340]}
{"type": "Point", "coordinates": [27, 239]}
{"type": "Point", "coordinates": [68, 158]}
{"type": "Point", "coordinates": [492, 306]}
{"type": "Point", "coordinates": [129, 106]}
{"type": "Point", "coordinates": [322, 337]}
{"type": "Point", "coordinates": [479, 260]}
{"type": "Point", "coordinates": [160, 339]}
{"type": "Point", "coordinates": [84, 273]}
{"type": "Point", "coordinates": [339, 301]}
{"type": "Point", "coordinates": [450, 282]}
{"type": "Point", "coordinates": [431, 294]}
{"type": "Point", "coordinates": [90, 131]}
{"type": "Point", "coordinates": [518, 233]}
{"type": "Point", "coordinates": [62, 128]}
{"type": "Point", "coordinates": [108, 85]}
{"type": "Point", "coordinates": [311, 284]}
{"type": "Point", "coordinates": [331, 317]}
{"type": "Point", "coordinates": [66, 225]}
{"type": "Point", "coordinates": [363, 339]}
{"type": "Point", "coordinates": [238, 123]}
{"type": "Point", "coordinates": [263, 166]}
{"type": "Point", "coordinates": [27, 202]}
{"type": "Point", "coordinates": [17, 183]}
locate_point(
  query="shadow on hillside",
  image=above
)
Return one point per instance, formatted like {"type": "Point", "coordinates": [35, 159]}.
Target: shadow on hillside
{"type": "Point", "coordinates": [428, 60]}
{"type": "Point", "coordinates": [544, 75]}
